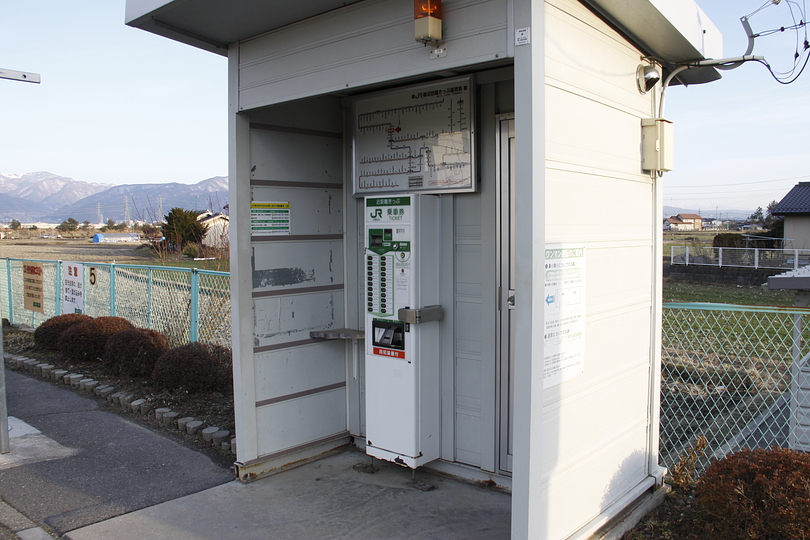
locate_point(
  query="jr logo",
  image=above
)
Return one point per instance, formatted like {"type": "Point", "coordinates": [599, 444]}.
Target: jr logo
{"type": "Point", "coordinates": [377, 214]}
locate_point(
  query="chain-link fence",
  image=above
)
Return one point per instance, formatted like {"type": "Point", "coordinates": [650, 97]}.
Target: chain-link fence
{"type": "Point", "coordinates": [743, 257]}
{"type": "Point", "coordinates": [185, 304]}
{"type": "Point", "coordinates": [732, 374]}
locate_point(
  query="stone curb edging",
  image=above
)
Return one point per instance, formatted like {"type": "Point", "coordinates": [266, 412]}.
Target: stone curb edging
{"type": "Point", "coordinates": [217, 437]}
{"type": "Point", "coordinates": [19, 525]}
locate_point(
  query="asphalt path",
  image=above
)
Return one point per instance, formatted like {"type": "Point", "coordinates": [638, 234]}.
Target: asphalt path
{"type": "Point", "coordinates": [109, 466]}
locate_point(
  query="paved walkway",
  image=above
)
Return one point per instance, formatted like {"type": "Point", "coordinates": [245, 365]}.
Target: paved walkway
{"type": "Point", "coordinates": [82, 472]}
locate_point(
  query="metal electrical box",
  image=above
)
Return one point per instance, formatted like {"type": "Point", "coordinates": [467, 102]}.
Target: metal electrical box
{"type": "Point", "coordinates": [657, 144]}
{"type": "Point", "coordinates": [402, 329]}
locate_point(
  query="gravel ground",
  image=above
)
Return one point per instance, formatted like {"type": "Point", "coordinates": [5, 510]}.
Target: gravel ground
{"type": "Point", "coordinates": [78, 250]}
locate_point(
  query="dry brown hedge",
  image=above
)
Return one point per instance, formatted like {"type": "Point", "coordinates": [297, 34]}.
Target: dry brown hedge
{"type": "Point", "coordinates": [196, 367]}
{"type": "Point", "coordinates": [86, 341]}
{"type": "Point", "coordinates": [47, 334]}
{"type": "Point", "coordinates": [134, 352]}
{"type": "Point", "coordinates": [758, 494]}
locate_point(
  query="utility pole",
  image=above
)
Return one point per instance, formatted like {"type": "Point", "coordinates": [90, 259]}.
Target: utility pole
{"type": "Point", "coordinates": [5, 448]}
{"type": "Point", "coordinates": [127, 216]}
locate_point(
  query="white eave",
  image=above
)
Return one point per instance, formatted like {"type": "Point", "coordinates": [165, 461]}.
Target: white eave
{"type": "Point", "coordinates": [672, 31]}
{"type": "Point", "coordinates": [212, 25]}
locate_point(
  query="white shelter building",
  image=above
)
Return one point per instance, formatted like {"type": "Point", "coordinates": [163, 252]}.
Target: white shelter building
{"type": "Point", "coordinates": [419, 260]}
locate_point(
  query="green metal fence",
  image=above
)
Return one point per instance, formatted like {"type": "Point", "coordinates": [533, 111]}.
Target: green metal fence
{"type": "Point", "coordinates": [731, 374]}
{"type": "Point", "coordinates": [185, 304]}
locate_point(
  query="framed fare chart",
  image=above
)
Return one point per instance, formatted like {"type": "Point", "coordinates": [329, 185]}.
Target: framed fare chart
{"type": "Point", "coordinates": [415, 139]}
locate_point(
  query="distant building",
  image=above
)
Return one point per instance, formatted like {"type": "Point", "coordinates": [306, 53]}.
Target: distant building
{"type": "Point", "coordinates": [694, 219]}
{"type": "Point", "coordinates": [108, 238]}
{"type": "Point", "coordinates": [674, 223]}
{"type": "Point", "coordinates": [217, 226]}
{"type": "Point", "coordinates": [795, 209]}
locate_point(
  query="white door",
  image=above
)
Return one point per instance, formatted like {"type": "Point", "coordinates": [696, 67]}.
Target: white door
{"type": "Point", "coordinates": [506, 287]}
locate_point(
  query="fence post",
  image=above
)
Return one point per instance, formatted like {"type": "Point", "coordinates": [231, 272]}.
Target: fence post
{"type": "Point", "coordinates": [112, 290]}
{"type": "Point", "coordinates": [149, 299]}
{"type": "Point", "coordinates": [195, 305]}
{"type": "Point", "coordinates": [720, 257]}
{"type": "Point", "coordinates": [687, 256]}
{"type": "Point", "coordinates": [10, 296]}
{"type": "Point", "coordinates": [756, 257]}
{"type": "Point", "coordinates": [796, 259]}
{"type": "Point", "coordinates": [58, 288]}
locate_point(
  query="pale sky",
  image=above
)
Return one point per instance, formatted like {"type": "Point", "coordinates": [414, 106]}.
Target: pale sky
{"type": "Point", "coordinates": [120, 105]}
{"type": "Point", "coordinates": [116, 104]}
{"type": "Point", "coordinates": [740, 142]}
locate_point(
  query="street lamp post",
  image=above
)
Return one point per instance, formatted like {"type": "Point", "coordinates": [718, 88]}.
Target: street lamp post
{"type": "Point", "coordinates": [5, 448]}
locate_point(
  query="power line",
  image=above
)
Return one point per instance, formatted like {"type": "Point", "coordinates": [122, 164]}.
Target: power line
{"type": "Point", "coordinates": [741, 183]}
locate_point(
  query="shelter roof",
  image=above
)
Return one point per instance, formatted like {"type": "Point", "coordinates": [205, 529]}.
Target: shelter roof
{"type": "Point", "coordinates": [671, 30]}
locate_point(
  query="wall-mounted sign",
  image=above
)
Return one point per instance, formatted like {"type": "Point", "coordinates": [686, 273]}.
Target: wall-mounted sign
{"type": "Point", "coordinates": [33, 288]}
{"type": "Point", "coordinates": [72, 287]}
{"type": "Point", "coordinates": [269, 218]}
{"type": "Point", "coordinates": [564, 329]}
{"type": "Point", "coordinates": [415, 139]}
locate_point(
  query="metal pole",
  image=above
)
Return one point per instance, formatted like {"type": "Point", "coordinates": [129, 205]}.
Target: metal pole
{"type": "Point", "coordinates": [112, 290]}
{"type": "Point", "coordinates": [10, 296]}
{"type": "Point", "coordinates": [149, 298]}
{"type": "Point", "coordinates": [5, 448]}
{"type": "Point", "coordinates": [195, 305]}
{"type": "Point", "coordinates": [58, 288]}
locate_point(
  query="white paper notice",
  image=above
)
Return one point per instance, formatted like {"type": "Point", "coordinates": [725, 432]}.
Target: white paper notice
{"type": "Point", "coordinates": [564, 330]}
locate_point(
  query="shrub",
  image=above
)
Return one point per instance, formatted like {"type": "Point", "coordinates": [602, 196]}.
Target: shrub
{"type": "Point", "coordinates": [134, 352]}
{"type": "Point", "coordinates": [729, 240]}
{"type": "Point", "coordinates": [191, 250]}
{"type": "Point", "coordinates": [47, 334]}
{"type": "Point", "coordinates": [86, 341]}
{"type": "Point", "coordinates": [762, 494]}
{"type": "Point", "coordinates": [196, 367]}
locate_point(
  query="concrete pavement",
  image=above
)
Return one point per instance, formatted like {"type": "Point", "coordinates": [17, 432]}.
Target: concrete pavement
{"type": "Point", "coordinates": [102, 476]}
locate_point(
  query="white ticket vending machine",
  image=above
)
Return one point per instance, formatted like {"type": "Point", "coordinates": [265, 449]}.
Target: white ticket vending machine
{"type": "Point", "coordinates": [402, 328]}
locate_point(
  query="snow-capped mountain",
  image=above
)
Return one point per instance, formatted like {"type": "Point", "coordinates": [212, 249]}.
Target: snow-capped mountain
{"type": "Point", "coordinates": [44, 196]}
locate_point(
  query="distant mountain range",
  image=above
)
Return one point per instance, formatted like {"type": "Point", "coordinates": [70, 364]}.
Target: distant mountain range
{"type": "Point", "coordinates": [47, 197]}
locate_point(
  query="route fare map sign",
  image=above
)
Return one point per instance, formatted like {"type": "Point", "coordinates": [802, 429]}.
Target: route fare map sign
{"type": "Point", "coordinates": [564, 329]}
{"type": "Point", "coordinates": [416, 139]}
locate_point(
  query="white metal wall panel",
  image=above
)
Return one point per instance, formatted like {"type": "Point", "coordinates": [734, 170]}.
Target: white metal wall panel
{"type": "Point", "coordinates": [290, 318]}
{"type": "Point", "coordinates": [313, 211]}
{"type": "Point", "coordinates": [298, 157]}
{"type": "Point", "coordinates": [362, 44]}
{"type": "Point", "coordinates": [289, 424]}
{"type": "Point", "coordinates": [469, 331]}
{"type": "Point", "coordinates": [320, 265]}
{"type": "Point", "coordinates": [313, 366]}
{"type": "Point", "coordinates": [596, 425]}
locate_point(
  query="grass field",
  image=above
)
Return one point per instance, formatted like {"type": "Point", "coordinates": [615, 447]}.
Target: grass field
{"type": "Point", "coordinates": [687, 291]}
{"type": "Point", "coordinates": [83, 250]}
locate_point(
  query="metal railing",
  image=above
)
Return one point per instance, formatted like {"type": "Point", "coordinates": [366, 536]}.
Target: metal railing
{"type": "Point", "coordinates": [788, 259]}
{"type": "Point", "coordinates": [734, 375]}
{"type": "Point", "coordinates": [186, 304]}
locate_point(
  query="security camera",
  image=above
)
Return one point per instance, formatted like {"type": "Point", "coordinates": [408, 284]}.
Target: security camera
{"type": "Point", "coordinates": [647, 77]}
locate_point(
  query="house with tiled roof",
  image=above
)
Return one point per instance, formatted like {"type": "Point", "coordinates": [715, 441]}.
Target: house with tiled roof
{"type": "Point", "coordinates": [675, 224]}
{"type": "Point", "coordinates": [795, 209]}
{"type": "Point", "coordinates": [694, 219]}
